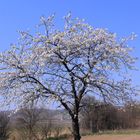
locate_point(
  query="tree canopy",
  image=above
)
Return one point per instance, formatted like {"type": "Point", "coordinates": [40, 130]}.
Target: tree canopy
{"type": "Point", "coordinates": [67, 64]}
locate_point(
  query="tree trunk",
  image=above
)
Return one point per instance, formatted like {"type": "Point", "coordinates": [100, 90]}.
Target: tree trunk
{"type": "Point", "coordinates": [76, 129]}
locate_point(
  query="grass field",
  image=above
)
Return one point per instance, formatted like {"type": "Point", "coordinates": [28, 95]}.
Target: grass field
{"type": "Point", "coordinates": [112, 137]}
{"type": "Point", "coordinates": [105, 135]}
{"type": "Point", "coordinates": [115, 135]}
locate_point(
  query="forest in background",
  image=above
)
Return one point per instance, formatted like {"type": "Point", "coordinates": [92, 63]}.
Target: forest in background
{"type": "Point", "coordinates": [43, 124]}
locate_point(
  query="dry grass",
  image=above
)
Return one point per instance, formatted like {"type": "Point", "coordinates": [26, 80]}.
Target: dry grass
{"type": "Point", "coordinates": [107, 135]}
{"type": "Point", "coordinates": [112, 137]}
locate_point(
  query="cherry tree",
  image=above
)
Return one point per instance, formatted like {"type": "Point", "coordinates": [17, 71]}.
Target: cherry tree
{"type": "Point", "coordinates": [66, 65]}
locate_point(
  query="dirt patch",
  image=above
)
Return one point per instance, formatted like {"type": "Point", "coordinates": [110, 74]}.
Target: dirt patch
{"type": "Point", "coordinates": [112, 137]}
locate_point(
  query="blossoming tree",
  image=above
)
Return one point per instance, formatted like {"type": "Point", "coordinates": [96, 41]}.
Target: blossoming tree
{"type": "Point", "coordinates": [65, 65]}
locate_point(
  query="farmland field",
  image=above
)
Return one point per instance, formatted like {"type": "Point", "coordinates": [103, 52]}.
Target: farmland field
{"type": "Point", "coordinates": [112, 137]}
{"type": "Point", "coordinates": [130, 134]}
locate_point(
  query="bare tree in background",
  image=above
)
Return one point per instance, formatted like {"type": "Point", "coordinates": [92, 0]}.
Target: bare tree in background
{"type": "Point", "coordinates": [88, 112]}
{"type": "Point", "coordinates": [46, 124]}
{"type": "Point", "coordinates": [46, 129]}
{"type": "Point", "coordinates": [66, 65]}
{"type": "Point", "coordinates": [4, 126]}
{"type": "Point", "coordinates": [97, 115]}
{"type": "Point", "coordinates": [27, 120]}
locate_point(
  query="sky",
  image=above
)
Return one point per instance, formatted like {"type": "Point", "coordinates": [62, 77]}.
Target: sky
{"type": "Point", "coordinates": [119, 16]}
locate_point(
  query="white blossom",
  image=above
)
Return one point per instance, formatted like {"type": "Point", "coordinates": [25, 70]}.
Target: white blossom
{"type": "Point", "coordinates": [48, 65]}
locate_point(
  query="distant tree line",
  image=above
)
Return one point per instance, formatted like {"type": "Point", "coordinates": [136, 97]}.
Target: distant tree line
{"type": "Point", "coordinates": [95, 116]}
{"type": "Point", "coordinates": [29, 124]}
{"type": "Point", "coordinates": [98, 116]}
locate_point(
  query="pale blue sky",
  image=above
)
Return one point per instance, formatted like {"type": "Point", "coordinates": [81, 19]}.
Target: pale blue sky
{"type": "Point", "coordinates": [120, 16]}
